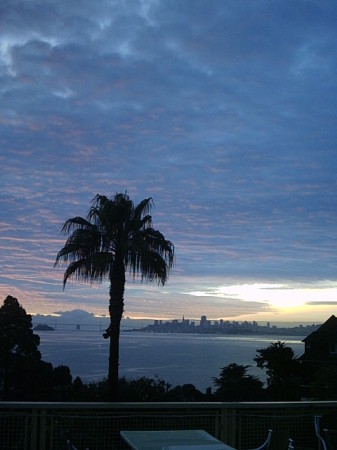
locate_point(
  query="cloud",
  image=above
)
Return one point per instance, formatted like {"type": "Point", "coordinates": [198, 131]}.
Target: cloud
{"type": "Point", "coordinates": [322, 303]}
{"type": "Point", "coordinates": [224, 113]}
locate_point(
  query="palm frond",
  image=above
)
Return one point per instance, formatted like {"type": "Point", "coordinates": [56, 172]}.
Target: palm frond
{"type": "Point", "coordinates": [75, 222]}
{"type": "Point", "coordinates": [91, 269]}
{"type": "Point", "coordinates": [80, 244]}
{"type": "Point", "coordinates": [156, 241]}
{"type": "Point", "coordinates": [143, 208]}
{"type": "Point", "coordinates": [150, 266]}
{"type": "Point", "coordinates": [150, 255]}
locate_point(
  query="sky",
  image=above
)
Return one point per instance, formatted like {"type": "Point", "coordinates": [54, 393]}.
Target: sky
{"type": "Point", "coordinates": [223, 112]}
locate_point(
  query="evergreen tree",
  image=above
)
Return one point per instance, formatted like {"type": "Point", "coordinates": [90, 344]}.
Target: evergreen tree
{"type": "Point", "coordinates": [19, 353]}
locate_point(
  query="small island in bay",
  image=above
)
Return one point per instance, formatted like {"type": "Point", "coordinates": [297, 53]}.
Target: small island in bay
{"type": "Point", "coordinates": [43, 327]}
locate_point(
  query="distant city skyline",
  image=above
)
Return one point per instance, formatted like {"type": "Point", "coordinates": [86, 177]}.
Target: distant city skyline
{"type": "Point", "coordinates": [225, 327]}
{"type": "Point", "coordinates": [82, 317]}
{"type": "Point", "coordinates": [224, 113]}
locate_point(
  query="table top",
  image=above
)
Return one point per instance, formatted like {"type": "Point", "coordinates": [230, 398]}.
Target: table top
{"type": "Point", "coordinates": [173, 440]}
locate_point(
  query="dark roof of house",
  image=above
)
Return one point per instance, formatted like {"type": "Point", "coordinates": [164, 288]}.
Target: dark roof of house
{"type": "Point", "coordinates": [326, 331]}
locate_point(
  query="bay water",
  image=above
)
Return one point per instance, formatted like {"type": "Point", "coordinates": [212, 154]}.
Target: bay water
{"type": "Point", "coordinates": [176, 358]}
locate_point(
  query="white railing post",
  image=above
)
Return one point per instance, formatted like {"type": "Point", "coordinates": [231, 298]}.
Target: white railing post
{"type": "Point", "coordinates": [228, 426]}
{"type": "Point", "coordinates": [43, 429]}
{"type": "Point", "coordinates": [33, 430]}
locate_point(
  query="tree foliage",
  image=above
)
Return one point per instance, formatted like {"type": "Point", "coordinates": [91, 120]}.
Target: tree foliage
{"type": "Point", "coordinates": [19, 353]}
{"type": "Point", "coordinates": [17, 337]}
{"type": "Point", "coordinates": [282, 369]}
{"type": "Point", "coordinates": [234, 384]}
{"type": "Point", "coordinates": [143, 389]}
{"type": "Point", "coordinates": [278, 360]}
{"type": "Point", "coordinates": [23, 374]}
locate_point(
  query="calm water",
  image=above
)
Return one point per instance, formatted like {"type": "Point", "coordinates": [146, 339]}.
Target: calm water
{"type": "Point", "coordinates": [176, 358]}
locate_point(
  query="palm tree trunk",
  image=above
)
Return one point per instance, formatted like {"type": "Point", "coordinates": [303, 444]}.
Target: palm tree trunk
{"type": "Point", "coordinates": [116, 308]}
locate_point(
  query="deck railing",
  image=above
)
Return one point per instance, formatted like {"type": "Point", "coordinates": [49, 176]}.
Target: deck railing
{"type": "Point", "coordinates": [96, 426]}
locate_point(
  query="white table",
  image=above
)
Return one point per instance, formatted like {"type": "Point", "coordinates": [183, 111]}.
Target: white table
{"type": "Point", "coordinates": [173, 440]}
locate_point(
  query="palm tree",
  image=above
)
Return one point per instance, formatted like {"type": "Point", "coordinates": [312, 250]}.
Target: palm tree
{"type": "Point", "coordinates": [116, 236]}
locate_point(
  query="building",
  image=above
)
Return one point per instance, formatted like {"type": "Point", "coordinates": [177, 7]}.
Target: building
{"type": "Point", "coordinates": [321, 345]}
{"type": "Point", "coordinates": [319, 363]}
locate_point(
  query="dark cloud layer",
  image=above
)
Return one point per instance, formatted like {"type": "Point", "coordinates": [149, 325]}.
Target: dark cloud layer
{"type": "Point", "coordinates": [224, 113]}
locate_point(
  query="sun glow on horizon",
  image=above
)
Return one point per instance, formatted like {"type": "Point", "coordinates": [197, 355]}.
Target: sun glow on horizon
{"type": "Point", "coordinates": [247, 300]}
{"type": "Point", "coordinates": [280, 296]}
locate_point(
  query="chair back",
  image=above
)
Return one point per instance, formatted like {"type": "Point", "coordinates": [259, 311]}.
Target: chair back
{"type": "Point", "coordinates": [330, 437]}
{"type": "Point", "coordinates": [319, 433]}
{"type": "Point", "coordinates": [70, 446]}
{"type": "Point", "coordinates": [279, 440]}
{"type": "Point", "coordinates": [291, 445]}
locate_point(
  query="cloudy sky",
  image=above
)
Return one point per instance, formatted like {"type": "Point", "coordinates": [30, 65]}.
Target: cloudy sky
{"type": "Point", "coordinates": [223, 111]}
